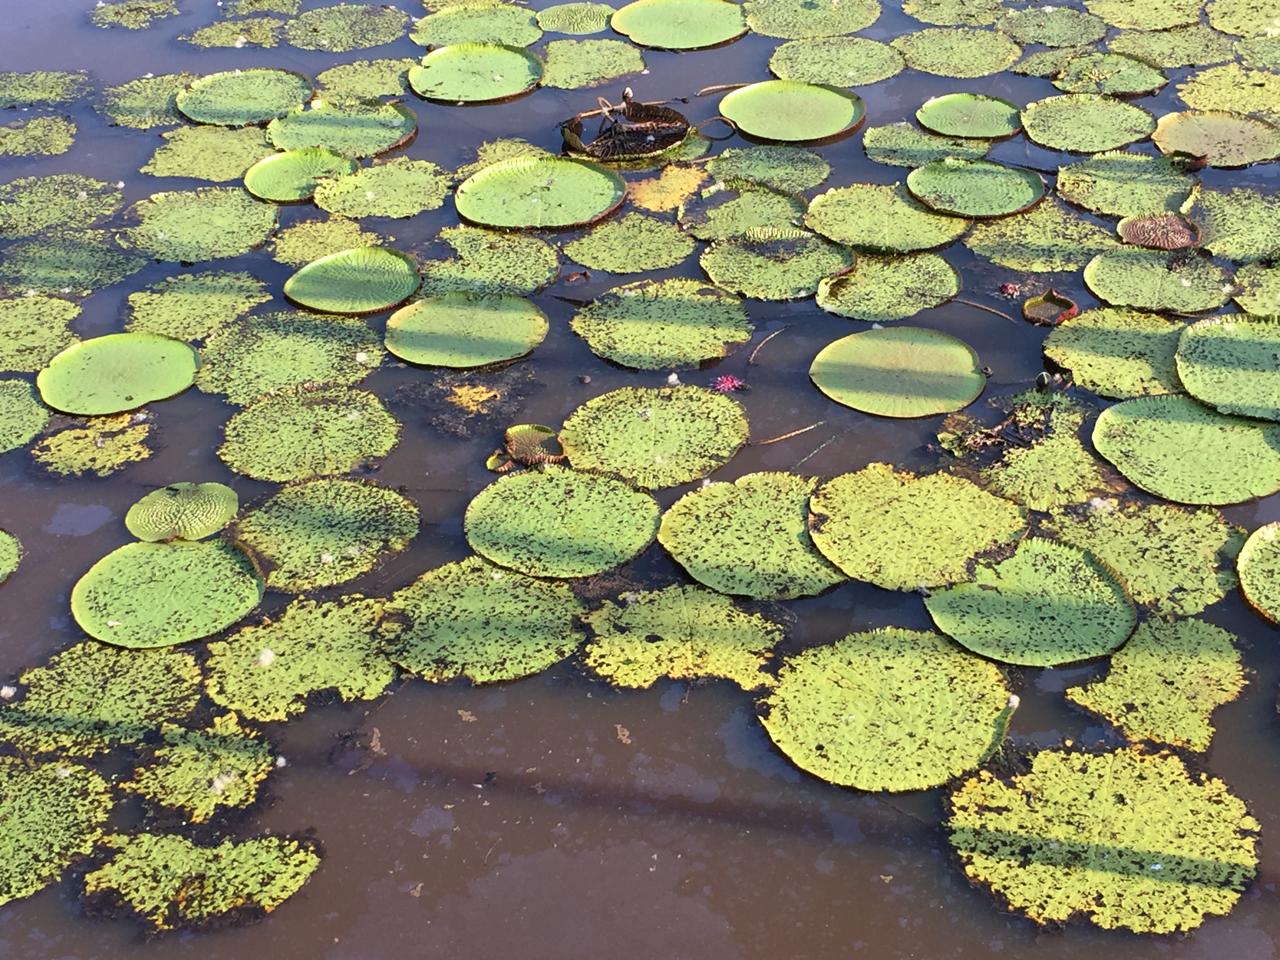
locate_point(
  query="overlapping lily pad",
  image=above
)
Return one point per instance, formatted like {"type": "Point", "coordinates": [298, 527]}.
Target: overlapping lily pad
{"type": "Point", "coordinates": [1046, 238]}
{"type": "Point", "coordinates": [881, 289]}
{"type": "Point", "coordinates": [1156, 280]}
{"type": "Point", "coordinates": [1124, 184]}
{"type": "Point", "coordinates": [118, 372]}
{"type": "Point", "coordinates": [216, 154]}
{"type": "Point", "coordinates": [721, 213]}
{"type": "Point", "coordinates": [975, 188]}
{"type": "Point", "coordinates": [902, 145]}
{"type": "Point", "coordinates": [1117, 352]}
{"type": "Point", "coordinates": [1229, 362]}
{"type": "Point", "coordinates": [1219, 139]}
{"type": "Point", "coordinates": [488, 261]}
{"type": "Point", "coordinates": [398, 188]}
{"type": "Point", "coordinates": [360, 280]}
{"type": "Point", "coordinates": [576, 64]}
{"type": "Point", "coordinates": [476, 72]}
{"type": "Point", "coordinates": [182, 511]}
{"type": "Point", "coordinates": [358, 128]}
{"type": "Point", "coordinates": [1259, 571]}
{"type": "Point", "coordinates": [1197, 44]}
{"type": "Point", "coordinates": [308, 240]}
{"type": "Point", "coordinates": [238, 97]}
{"type": "Point", "coordinates": [1086, 122]}
{"type": "Point", "coordinates": [194, 306]}
{"type": "Point", "coordinates": [781, 168]}
{"type": "Point", "coordinates": [836, 61]}
{"type": "Point", "coordinates": [680, 24]}
{"type": "Point", "coordinates": [543, 192]}
{"type": "Point", "coordinates": [293, 175]}
{"type": "Point", "coordinates": [790, 111]}
{"type": "Point", "coordinates": [774, 263]}
{"type": "Point", "coordinates": [1110, 73]}
{"type": "Point", "coordinates": [209, 223]}
{"type": "Point", "coordinates": [461, 329]}
{"type": "Point", "coordinates": [881, 218]}
{"type": "Point", "coordinates": [577, 18]}
{"type": "Point", "coordinates": [146, 102]}
{"type": "Point", "coordinates": [957, 51]}
{"type": "Point", "coordinates": [364, 79]}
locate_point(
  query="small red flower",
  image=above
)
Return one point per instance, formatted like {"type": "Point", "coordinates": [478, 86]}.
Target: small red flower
{"type": "Point", "coordinates": [728, 383]}
{"type": "Point", "coordinates": [1011, 290]}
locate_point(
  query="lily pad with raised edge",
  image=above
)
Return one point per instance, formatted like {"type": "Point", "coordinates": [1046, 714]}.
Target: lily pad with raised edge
{"type": "Point", "coordinates": [37, 137]}
{"type": "Point", "coordinates": [632, 244]}
{"type": "Point", "coordinates": [1177, 449]}
{"type": "Point", "coordinates": [182, 511]}
{"type": "Point", "coordinates": [1085, 122]}
{"type": "Point", "coordinates": [899, 372]}
{"type": "Point", "coordinates": [902, 145]}
{"type": "Point", "coordinates": [1118, 352]}
{"type": "Point", "coordinates": [881, 218]}
{"type": "Point", "coordinates": [42, 88]}
{"type": "Point", "coordinates": [1241, 225]}
{"type": "Point", "coordinates": [117, 372]}
{"type": "Point", "coordinates": [54, 203]}
{"type": "Point", "coordinates": [975, 188]}
{"type": "Point", "coordinates": [359, 128]}
{"type": "Point", "coordinates": [1195, 658]}
{"type": "Point", "coordinates": [1218, 139]}
{"type": "Point", "coordinates": [325, 532]}
{"type": "Point", "coordinates": [365, 79]}
{"type": "Point", "coordinates": [1157, 280]}
{"type": "Point", "coordinates": [460, 329]}
{"type": "Point", "coordinates": [69, 263]}
{"type": "Point", "coordinates": [1159, 231]}
{"type": "Point", "coordinates": [146, 595]}
{"type": "Point", "coordinates": [577, 19]}
{"type": "Point", "coordinates": [957, 51]}
{"type": "Point", "coordinates": [34, 330]}
{"type": "Point", "coordinates": [794, 19]}
{"type": "Point", "coordinates": [194, 306]}
{"type": "Point", "coordinates": [346, 26]}
{"type": "Point", "coordinates": [557, 522]}
{"type": "Point", "coordinates": [954, 13]}
{"type": "Point", "coordinates": [490, 261]}
{"type": "Point", "coordinates": [1146, 14]}
{"type": "Point", "coordinates": [836, 61]}
{"type": "Point", "coordinates": [542, 192]}
{"type": "Point", "coordinates": [793, 112]}
{"type": "Point", "coordinates": [680, 24]}
{"type": "Point", "coordinates": [1124, 184]}
{"type": "Point", "coordinates": [577, 64]}
{"type": "Point", "coordinates": [234, 98]}
{"type": "Point", "coordinates": [1176, 47]}
{"type": "Point", "coordinates": [781, 168]}
{"type": "Point", "coordinates": [749, 537]}
{"type": "Point", "coordinates": [721, 213]}
{"type": "Point", "coordinates": [1110, 73]}
{"type": "Point", "coordinates": [293, 175]}
{"type": "Point", "coordinates": [398, 188]}
{"type": "Point", "coordinates": [771, 264]}
{"type": "Point", "coordinates": [1229, 362]}
{"type": "Point", "coordinates": [682, 633]}
{"type": "Point", "coordinates": [216, 154]}
{"type": "Point", "coordinates": [102, 446]}
{"type": "Point", "coordinates": [883, 289]}
{"type": "Point", "coordinates": [972, 115]}
{"type": "Point", "coordinates": [274, 669]}
{"type": "Point", "coordinates": [53, 814]}
{"type": "Point", "coordinates": [1259, 571]}
{"type": "Point", "coordinates": [208, 223]}
{"type": "Point", "coordinates": [1234, 89]}
{"type": "Point", "coordinates": [901, 532]}
{"type": "Point", "coordinates": [153, 875]}
{"type": "Point", "coordinates": [475, 72]}
{"type": "Point", "coordinates": [888, 710]}
{"type": "Point", "coordinates": [1026, 838]}
{"type": "Point", "coordinates": [471, 22]}
{"type": "Point", "coordinates": [655, 437]}
{"type": "Point", "coordinates": [308, 240]}
{"type": "Point", "coordinates": [360, 280]}
{"type": "Point", "coordinates": [300, 433]}
{"type": "Point", "coordinates": [492, 151]}
{"type": "Point", "coordinates": [22, 415]}
{"type": "Point", "coordinates": [1173, 560]}
{"type": "Point", "coordinates": [1048, 603]}
{"type": "Point", "coordinates": [146, 102]}
{"type": "Point", "coordinates": [93, 698]}
{"type": "Point", "coordinates": [474, 620]}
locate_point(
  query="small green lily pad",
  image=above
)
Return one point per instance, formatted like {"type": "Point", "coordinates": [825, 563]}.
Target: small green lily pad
{"type": "Point", "coordinates": [208, 223]}
{"type": "Point", "coordinates": [975, 188]}
{"type": "Point", "coordinates": [182, 511]}
{"type": "Point", "coordinates": [634, 243]}
{"type": "Point", "coordinates": [790, 111]}
{"type": "Point", "coordinates": [679, 24]}
{"type": "Point", "coordinates": [957, 51]}
{"type": "Point", "coordinates": [293, 175]}
{"type": "Point", "coordinates": [881, 218]}
{"type": "Point", "coordinates": [475, 72]}
{"type": "Point", "coordinates": [399, 188]}
{"type": "Point", "coordinates": [970, 115]}
{"type": "Point", "coordinates": [541, 192]}
{"type": "Point", "coordinates": [836, 61]}
{"type": "Point", "coordinates": [359, 128]}
{"type": "Point", "coordinates": [360, 280]}
{"type": "Point", "coordinates": [774, 264]}
{"type": "Point", "coordinates": [903, 145]}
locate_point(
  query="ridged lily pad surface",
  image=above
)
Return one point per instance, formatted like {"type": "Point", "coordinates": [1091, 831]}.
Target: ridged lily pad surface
{"type": "Point", "coordinates": [540, 192]}
{"type": "Point", "coordinates": [293, 174]}
{"type": "Point", "coordinates": [182, 511]}
{"type": "Point", "coordinates": [970, 115]}
{"type": "Point", "coordinates": [881, 218]}
{"type": "Point", "coordinates": [975, 188]}
{"type": "Point", "coordinates": [680, 24]}
{"type": "Point", "coordinates": [360, 280]}
{"type": "Point", "coordinates": [1117, 352]}
{"type": "Point", "coordinates": [121, 371]}
{"type": "Point", "coordinates": [1156, 280]}
{"type": "Point", "coordinates": [899, 372]}
{"type": "Point", "coordinates": [1086, 122]}
{"type": "Point", "coordinates": [239, 97]}
{"type": "Point", "coordinates": [578, 18]}
{"type": "Point", "coordinates": [655, 437]}
{"type": "Point", "coordinates": [475, 73]}
{"type": "Point", "coordinates": [465, 329]}
{"type": "Point", "coordinates": [888, 710]}
{"type": "Point", "coordinates": [1232, 363]}
{"type": "Point", "coordinates": [1259, 570]}
{"type": "Point", "coordinates": [1049, 603]}
{"type": "Point", "coordinates": [1079, 833]}
{"type": "Point", "coordinates": [789, 111]}
{"type": "Point", "coordinates": [161, 594]}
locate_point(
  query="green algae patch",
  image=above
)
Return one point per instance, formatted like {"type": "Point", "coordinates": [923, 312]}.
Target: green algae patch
{"type": "Point", "coordinates": [42, 88]}
{"type": "Point", "coordinates": [22, 415]}
{"type": "Point", "coordinates": [53, 814]}
{"type": "Point", "coordinates": [346, 26]}
{"type": "Point", "coordinates": [1259, 571]}
{"type": "Point", "coordinates": [475, 72]}
{"type": "Point", "coordinates": [34, 330]}
{"type": "Point", "coordinates": [118, 372]}
{"type": "Point", "coordinates": [201, 772]}
{"type": "Point", "coordinates": [293, 175]}
{"type": "Point", "coordinates": [782, 168]}
{"type": "Point", "coordinates": [888, 710]}
{"type": "Point", "coordinates": [577, 64]}
{"type": "Point", "coordinates": [1195, 45]}
{"type": "Point", "coordinates": [102, 446]}
{"type": "Point", "coordinates": [1229, 362]}
{"type": "Point", "coordinates": [969, 115]}
{"type": "Point", "coordinates": [365, 80]}
{"type": "Point", "coordinates": [1177, 449]}
{"type": "Point", "coordinates": [74, 263]}
{"type": "Point", "coordinates": [722, 213]}
{"type": "Point", "coordinates": [1157, 280]}
{"type": "Point", "coordinates": [182, 511]}
{"type": "Point", "coordinates": [489, 261]}
{"type": "Point", "coordinates": [37, 137]}
{"type": "Point", "coordinates": [975, 188]}
{"type": "Point", "coordinates": [273, 670]}
{"type": "Point", "coordinates": [480, 622]}
{"type": "Point", "coordinates": [1085, 122]}
{"type": "Point", "coordinates": [1117, 352]}
{"type": "Point", "coordinates": [679, 24]}
{"type": "Point", "coordinates": [1125, 184]}
{"type": "Point", "coordinates": [10, 555]}
{"type": "Point", "coordinates": [1113, 74]}
{"type": "Point", "coordinates": [352, 128]}
{"type": "Point", "coordinates": [557, 522]}
{"type": "Point", "coordinates": [1026, 839]}
{"type": "Point", "coordinates": [1241, 225]}
{"type": "Point", "coordinates": [575, 19]}
{"type": "Point", "coordinates": [1219, 139]}
{"type": "Point", "coordinates": [172, 883]}
{"type": "Point", "coordinates": [793, 112]}
{"type": "Point", "coordinates": [194, 306]}
{"type": "Point", "coordinates": [1164, 685]}
{"type": "Point", "coordinates": [655, 437]}
{"type": "Point", "coordinates": [238, 97]}
{"type": "Point", "coordinates": [131, 14]}
{"type": "Point", "coordinates": [308, 240]}
{"type": "Point", "coordinates": [883, 289]}
{"type": "Point", "coordinates": [899, 372]}
{"type": "Point", "coordinates": [236, 34]}
{"type": "Point", "coordinates": [465, 329]}
{"type": "Point", "coordinates": [208, 223]}
{"type": "Point", "coordinates": [477, 23]}
{"type": "Point", "coordinates": [1046, 239]}
{"type": "Point", "coordinates": [216, 154]}
{"type": "Point", "coordinates": [749, 537]}
{"type": "Point", "coordinates": [660, 324]}
{"type": "Point", "coordinates": [1173, 560]}
{"type": "Point", "coordinates": [836, 61]}
{"type": "Point", "coordinates": [903, 145]}
{"type": "Point", "coordinates": [355, 281]}
{"type": "Point", "coordinates": [326, 532]}
{"type": "Point", "coordinates": [304, 432]}
{"type": "Point", "coordinates": [93, 698]}
{"type": "Point", "coordinates": [60, 201]}
{"type": "Point", "coordinates": [539, 192]}
{"type": "Point", "coordinates": [634, 243]}
{"type": "Point", "coordinates": [881, 218]}
{"type": "Point", "coordinates": [901, 532]}
{"type": "Point", "coordinates": [681, 633]}
{"type": "Point", "coordinates": [146, 102]}
{"type": "Point", "coordinates": [958, 52]}
{"type": "Point", "coordinates": [146, 595]}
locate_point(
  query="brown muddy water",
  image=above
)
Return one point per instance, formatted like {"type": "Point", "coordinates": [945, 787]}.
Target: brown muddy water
{"type": "Point", "coordinates": [556, 817]}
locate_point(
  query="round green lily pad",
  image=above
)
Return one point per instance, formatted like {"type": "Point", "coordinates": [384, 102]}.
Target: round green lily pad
{"type": "Point", "coordinates": [881, 289]}
{"type": "Point", "coordinates": [1085, 122]}
{"type": "Point", "coordinates": [1193, 45]}
{"type": "Point", "coordinates": [1232, 363]}
{"type": "Point", "coordinates": [76, 262]}
{"type": "Point", "coordinates": [477, 23]}
{"type": "Point", "coordinates": [365, 79]}
{"type": "Point", "coordinates": [121, 371]}
{"type": "Point", "coordinates": [749, 537]}
{"type": "Point", "coordinates": [903, 145]}
{"type": "Point", "coordinates": [293, 174]}
{"type": "Point", "coordinates": [557, 522]}
{"type": "Point", "coordinates": [1259, 571]}
{"type": "Point", "coordinates": [1117, 352]}
{"type": "Point", "coordinates": [781, 168]}
{"type": "Point", "coordinates": [146, 595]}
{"type": "Point", "coordinates": [34, 330]}
{"type": "Point", "coordinates": [1053, 26]}
{"type": "Point", "coordinates": [1110, 73]}
{"type": "Point", "coordinates": [360, 280]}
{"type": "Point", "coordinates": [465, 329]}
{"type": "Point", "coordinates": [579, 18]}
{"type": "Point", "coordinates": [1124, 184]}
{"type": "Point", "coordinates": [1157, 280]}
{"type": "Point", "coordinates": [836, 61]}
{"type": "Point", "coordinates": [792, 19]}
{"type": "Point", "coordinates": [399, 188]}
{"type": "Point", "coordinates": [472, 619]}
{"type": "Point", "coordinates": [661, 324]}
{"type": "Point", "coordinates": [631, 244]}
{"type": "Point", "coordinates": [300, 433]}
{"type": "Point", "coordinates": [208, 223]}
{"type": "Point", "coordinates": [970, 115]}
{"type": "Point", "coordinates": [722, 213]}
{"type": "Point", "coordinates": [541, 192]}
{"type": "Point", "coordinates": [475, 72]}
{"type": "Point", "coordinates": [769, 264]}
{"type": "Point", "coordinates": [655, 437]}
{"type": "Point", "coordinates": [60, 201]}
{"type": "Point", "coordinates": [346, 26]}
{"type": "Point", "coordinates": [182, 511]}
{"type": "Point", "coordinates": [1049, 603]}
{"type": "Point", "coordinates": [975, 188]}
{"type": "Point", "coordinates": [881, 218]}
{"type": "Point", "coordinates": [888, 710]}
{"type": "Point", "coordinates": [234, 98]}
{"type": "Point", "coordinates": [1081, 834]}
{"type": "Point", "coordinates": [899, 372]}
{"type": "Point", "coordinates": [216, 154]}
{"type": "Point", "coordinates": [194, 306]}
{"type": "Point", "coordinates": [1241, 225]}
{"type": "Point", "coordinates": [576, 64]}
{"type": "Point", "coordinates": [1221, 139]}
{"type": "Point", "coordinates": [1177, 449]}
{"type": "Point", "coordinates": [957, 51]}
{"type": "Point", "coordinates": [790, 111]}
{"type": "Point", "coordinates": [902, 532]}
{"type": "Point", "coordinates": [680, 24]}
{"type": "Point", "coordinates": [22, 415]}
{"type": "Point", "coordinates": [357, 128]}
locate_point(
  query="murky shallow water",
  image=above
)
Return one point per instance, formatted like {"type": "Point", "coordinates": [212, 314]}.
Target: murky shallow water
{"type": "Point", "coordinates": [515, 821]}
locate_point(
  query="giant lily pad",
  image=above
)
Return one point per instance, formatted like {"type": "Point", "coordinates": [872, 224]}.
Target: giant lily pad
{"type": "Point", "coordinates": [1109, 73]}
{"type": "Point", "coordinates": [194, 306]}
{"type": "Point", "coordinates": [542, 192]}
{"type": "Point", "coordinates": [575, 64]}
{"type": "Point", "coordinates": [903, 145]}
{"type": "Point", "coordinates": [578, 18]}
{"type": "Point", "coordinates": [360, 280]}
{"type": "Point", "coordinates": [182, 511]}
{"type": "Point", "coordinates": [881, 289]}
{"type": "Point", "coordinates": [308, 240]}
{"type": "Point", "coordinates": [357, 128]}
{"type": "Point", "coordinates": [216, 154]}
{"type": "Point", "coordinates": [957, 51]}
{"type": "Point", "coordinates": [1259, 571]}
{"type": "Point", "coordinates": [1220, 139]}
{"type": "Point", "coordinates": [477, 23]}
{"type": "Point", "coordinates": [1124, 184]}
{"type": "Point", "coordinates": [1192, 45]}
{"type": "Point", "coordinates": [293, 174]}
{"type": "Point", "coordinates": [365, 79]}
{"type": "Point", "coordinates": [34, 330]}
{"type": "Point", "coordinates": [791, 19]}
{"type": "Point", "coordinates": [1229, 362]}
{"type": "Point", "coordinates": [1241, 225]}
{"type": "Point", "coordinates": [346, 26]}
{"type": "Point", "coordinates": [475, 72]}
{"type": "Point", "coordinates": [1156, 280]}
{"type": "Point", "coordinates": [1118, 352]}
{"type": "Point", "coordinates": [774, 264]}
{"type": "Point", "coordinates": [399, 188]}
{"type": "Point", "coordinates": [146, 102]}
{"type": "Point", "coordinates": [790, 111]}
{"type": "Point", "coordinates": [1053, 26]}
{"type": "Point", "coordinates": [781, 168]}
{"type": "Point", "coordinates": [461, 329]}
{"type": "Point", "coordinates": [60, 201]}
{"type": "Point", "coordinates": [969, 115]}
{"type": "Point", "coordinates": [721, 213]}
{"type": "Point", "coordinates": [118, 372]}
{"type": "Point", "coordinates": [680, 24]}
{"type": "Point", "coordinates": [1235, 89]}
{"type": "Point", "coordinates": [1045, 239]}
{"type": "Point", "coordinates": [632, 244]}
{"type": "Point", "coordinates": [882, 218]}
{"type": "Point", "coordinates": [204, 224]}
{"type": "Point", "coordinates": [489, 261]}
{"type": "Point", "coordinates": [836, 61]}
{"type": "Point", "coordinates": [237, 97]}
{"type": "Point", "coordinates": [975, 188]}
{"type": "Point", "coordinates": [1085, 122]}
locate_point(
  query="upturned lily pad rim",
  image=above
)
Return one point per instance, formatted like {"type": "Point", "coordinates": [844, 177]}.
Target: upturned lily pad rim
{"type": "Point", "coordinates": [859, 112]}
{"type": "Point", "coordinates": [968, 95]}
{"type": "Point", "coordinates": [451, 50]}
{"type": "Point", "coordinates": [919, 172]}
{"type": "Point", "coordinates": [1170, 120]}
{"type": "Point", "coordinates": [410, 261]}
